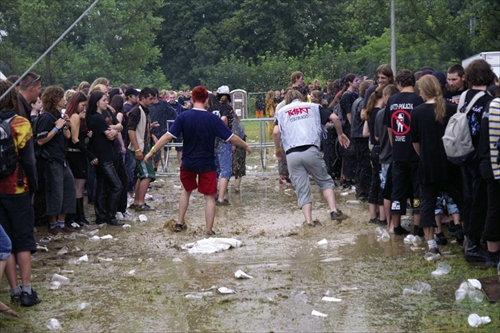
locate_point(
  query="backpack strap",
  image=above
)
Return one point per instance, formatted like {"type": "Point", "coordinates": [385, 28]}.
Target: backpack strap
{"type": "Point", "coordinates": [473, 101]}
{"type": "Point", "coordinates": [461, 102]}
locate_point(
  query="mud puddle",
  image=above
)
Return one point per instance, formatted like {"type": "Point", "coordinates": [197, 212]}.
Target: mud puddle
{"type": "Point", "coordinates": [143, 287]}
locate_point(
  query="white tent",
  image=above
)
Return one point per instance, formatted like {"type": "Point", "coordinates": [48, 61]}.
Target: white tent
{"type": "Point", "coordinates": [2, 77]}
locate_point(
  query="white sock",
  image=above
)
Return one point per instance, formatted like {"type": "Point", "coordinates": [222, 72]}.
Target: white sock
{"type": "Point", "coordinates": [432, 244]}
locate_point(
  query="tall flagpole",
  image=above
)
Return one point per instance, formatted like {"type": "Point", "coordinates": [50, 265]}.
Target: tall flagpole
{"type": "Point", "coordinates": [393, 37]}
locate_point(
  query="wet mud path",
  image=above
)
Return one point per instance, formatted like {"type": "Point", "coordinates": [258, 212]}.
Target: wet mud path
{"type": "Point", "coordinates": [138, 280]}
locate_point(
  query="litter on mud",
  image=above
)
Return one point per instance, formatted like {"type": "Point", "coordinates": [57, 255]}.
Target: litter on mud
{"type": "Point", "coordinates": [239, 274]}
{"type": "Point", "coordinates": [211, 245]}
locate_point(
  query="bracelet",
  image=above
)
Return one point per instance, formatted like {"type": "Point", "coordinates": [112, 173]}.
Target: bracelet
{"type": "Point", "coordinates": [138, 150]}
{"type": "Point", "coordinates": [153, 149]}
{"type": "Point", "coordinates": [278, 150]}
{"type": "Point", "coordinates": [55, 129]}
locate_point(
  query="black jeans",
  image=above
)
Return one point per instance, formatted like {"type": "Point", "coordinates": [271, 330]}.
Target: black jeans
{"type": "Point", "coordinates": [122, 175]}
{"type": "Point", "coordinates": [375, 196]}
{"type": "Point", "coordinates": [428, 197]}
{"type": "Point", "coordinates": [363, 168]}
{"type": "Point", "coordinates": [475, 200]}
{"type": "Point", "coordinates": [107, 192]}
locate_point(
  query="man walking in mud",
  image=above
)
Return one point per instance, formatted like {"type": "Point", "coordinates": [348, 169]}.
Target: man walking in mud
{"type": "Point", "coordinates": [199, 129]}
{"type": "Point", "coordinates": [298, 125]}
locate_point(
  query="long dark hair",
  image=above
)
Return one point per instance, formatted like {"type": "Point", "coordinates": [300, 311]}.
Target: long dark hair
{"type": "Point", "coordinates": [74, 101]}
{"type": "Point", "coordinates": [92, 106]}
{"type": "Point", "coordinates": [117, 103]}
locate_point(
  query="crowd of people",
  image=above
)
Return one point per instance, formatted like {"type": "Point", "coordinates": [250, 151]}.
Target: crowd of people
{"type": "Point", "coordinates": [382, 136]}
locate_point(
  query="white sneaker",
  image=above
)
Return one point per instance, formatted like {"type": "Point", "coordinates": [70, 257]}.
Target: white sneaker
{"type": "Point", "coordinates": [119, 216]}
{"type": "Point", "coordinates": [128, 215]}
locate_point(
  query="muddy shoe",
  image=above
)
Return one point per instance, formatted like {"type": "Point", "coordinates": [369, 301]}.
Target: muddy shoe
{"type": "Point", "coordinates": [374, 221]}
{"type": "Point", "coordinates": [337, 215]}
{"type": "Point", "coordinates": [144, 208]}
{"type": "Point", "coordinates": [179, 227]}
{"type": "Point", "coordinates": [222, 203]}
{"type": "Point", "coordinates": [56, 230]}
{"type": "Point", "coordinates": [441, 239]}
{"type": "Point", "coordinates": [383, 223]}
{"type": "Point", "coordinates": [68, 229]}
{"type": "Point", "coordinates": [29, 299]}
{"type": "Point", "coordinates": [399, 230]}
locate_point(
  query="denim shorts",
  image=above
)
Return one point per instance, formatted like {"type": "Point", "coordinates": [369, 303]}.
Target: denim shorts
{"type": "Point", "coordinates": [5, 245]}
{"type": "Point", "coordinates": [383, 174]}
{"type": "Point", "coordinates": [224, 160]}
{"type": "Point", "coordinates": [445, 197]}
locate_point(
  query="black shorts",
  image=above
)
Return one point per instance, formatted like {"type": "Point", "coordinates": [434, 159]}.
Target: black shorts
{"type": "Point", "coordinates": [18, 220]}
{"type": "Point", "coordinates": [78, 163]}
{"type": "Point", "coordinates": [405, 185]}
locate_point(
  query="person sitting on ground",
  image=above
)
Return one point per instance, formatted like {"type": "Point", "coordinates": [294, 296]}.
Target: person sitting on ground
{"type": "Point", "coordinates": [298, 124]}
{"type": "Point", "coordinates": [199, 129]}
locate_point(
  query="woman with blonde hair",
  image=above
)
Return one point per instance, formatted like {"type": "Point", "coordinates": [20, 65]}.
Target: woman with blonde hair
{"type": "Point", "coordinates": [435, 173]}
{"type": "Point", "coordinates": [270, 109]}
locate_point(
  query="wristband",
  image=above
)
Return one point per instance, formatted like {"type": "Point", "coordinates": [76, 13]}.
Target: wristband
{"type": "Point", "coordinates": [153, 149]}
{"type": "Point", "coordinates": [138, 150]}
{"type": "Point", "coordinates": [278, 150]}
{"type": "Point", "coordinates": [55, 129]}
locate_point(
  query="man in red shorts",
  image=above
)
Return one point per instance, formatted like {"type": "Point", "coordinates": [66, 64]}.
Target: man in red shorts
{"type": "Point", "coordinates": [199, 128]}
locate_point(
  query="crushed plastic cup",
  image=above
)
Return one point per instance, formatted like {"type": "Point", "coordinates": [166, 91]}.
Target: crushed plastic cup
{"type": "Point", "coordinates": [106, 237]}
{"type": "Point", "coordinates": [53, 324]}
{"type": "Point", "coordinates": [177, 260]}
{"type": "Point", "coordinates": [382, 234]}
{"type": "Point", "coordinates": [344, 194]}
{"type": "Point", "coordinates": [409, 239]}
{"type": "Point", "coordinates": [331, 299]}
{"type": "Point", "coordinates": [61, 279]}
{"type": "Point", "coordinates": [84, 306]}
{"type": "Point", "coordinates": [94, 239]}
{"type": "Point", "coordinates": [319, 314]}
{"type": "Point", "coordinates": [353, 202]}
{"type": "Point", "coordinates": [54, 285]}
{"type": "Point", "coordinates": [104, 259]}
{"type": "Point", "coordinates": [408, 291]}
{"type": "Point", "coordinates": [421, 287]}
{"type": "Point", "coordinates": [429, 256]}
{"type": "Point", "coordinates": [443, 268]}
{"type": "Point", "coordinates": [323, 242]}
{"type": "Point", "coordinates": [83, 258]}
{"type": "Point", "coordinates": [132, 272]}
{"type": "Point", "coordinates": [475, 320]}
{"type": "Point", "coordinates": [417, 240]}
{"type": "Point", "coordinates": [300, 298]}
{"type": "Point", "coordinates": [460, 294]}
{"type": "Point", "coordinates": [239, 274]}
{"type": "Point", "coordinates": [143, 218]}
{"type": "Point", "coordinates": [126, 226]}
{"type": "Point", "coordinates": [62, 251]}
{"type": "Point", "coordinates": [224, 290]}
{"type": "Point", "coordinates": [474, 283]}
{"type": "Point", "coordinates": [476, 296]}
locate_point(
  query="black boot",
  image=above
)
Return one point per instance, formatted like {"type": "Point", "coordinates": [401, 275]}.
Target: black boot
{"type": "Point", "coordinates": [80, 213]}
{"type": "Point", "coordinates": [474, 252]}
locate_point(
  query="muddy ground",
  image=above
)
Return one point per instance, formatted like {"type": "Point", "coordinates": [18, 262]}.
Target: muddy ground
{"type": "Point", "coordinates": [144, 287]}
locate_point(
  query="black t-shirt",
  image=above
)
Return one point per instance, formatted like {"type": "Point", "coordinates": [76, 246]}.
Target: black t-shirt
{"type": "Point", "coordinates": [346, 102]}
{"type": "Point", "coordinates": [449, 95]}
{"type": "Point", "coordinates": [476, 113]}
{"type": "Point", "coordinates": [356, 122]}
{"type": "Point", "coordinates": [111, 119]}
{"type": "Point", "coordinates": [223, 110]}
{"type": "Point", "coordinates": [56, 147]}
{"type": "Point", "coordinates": [433, 163]}
{"type": "Point", "coordinates": [398, 118]}
{"type": "Point", "coordinates": [371, 126]}
{"type": "Point", "coordinates": [102, 148]}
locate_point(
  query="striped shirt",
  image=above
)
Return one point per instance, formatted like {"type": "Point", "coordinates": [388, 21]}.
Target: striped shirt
{"type": "Point", "coordinates": [494, 134]}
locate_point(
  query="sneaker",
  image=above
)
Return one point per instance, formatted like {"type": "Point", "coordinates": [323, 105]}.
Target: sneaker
{"type": "Point", "coordinates": [383, 223]}
{"type": "Point", "coordinates": [55, 231]}
{"type": "Point", "coordinates": [375, 221]}
{"type": "Point", "coordinates": [119, 216]}
{"type": "Point", "coordinates": [132, 206]}
{"type": "Point", "coordinates": [337, 215]}
{"type": "Point", "coordinates": [128, 215]}
{"type": "Point", "coordinates": [144, 208]}
{"type": "Point", "coordinates": [15, 299]}
{"type": "Point", "coordinates": [399, 230]}
{"type": "Point", "coordinates": [440, 239]}
{"type": "Point", "coordinates": [29, 300]}
{"type": "Point", "coordinates": [222, 203]}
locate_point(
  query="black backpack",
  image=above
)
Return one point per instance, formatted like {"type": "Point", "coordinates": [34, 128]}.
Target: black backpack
{"type": "Point", "coordinates": [8, 156]}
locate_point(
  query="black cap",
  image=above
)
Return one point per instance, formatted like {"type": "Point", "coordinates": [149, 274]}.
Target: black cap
{"type": "Point", "coordinates": [131, 91]}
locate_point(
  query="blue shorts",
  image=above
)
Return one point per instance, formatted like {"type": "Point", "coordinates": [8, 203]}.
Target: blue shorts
{"type": "Point", "coordinates": [224, 160]}
{"type": "Point", "coordinates": [445, 197]}
{"type": "Point", "coordinates": [5, 245]}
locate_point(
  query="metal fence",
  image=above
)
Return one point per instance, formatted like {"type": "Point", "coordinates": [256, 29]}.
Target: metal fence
{"type": "Point", "coordinates": [262, 145]}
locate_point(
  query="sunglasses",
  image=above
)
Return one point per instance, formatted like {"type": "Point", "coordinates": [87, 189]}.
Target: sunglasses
{"type": "Point", "coordinates": [37, 79]}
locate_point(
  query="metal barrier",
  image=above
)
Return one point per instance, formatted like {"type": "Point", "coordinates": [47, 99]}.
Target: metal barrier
{"type": "Point", "coordinates": [263, 145]}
